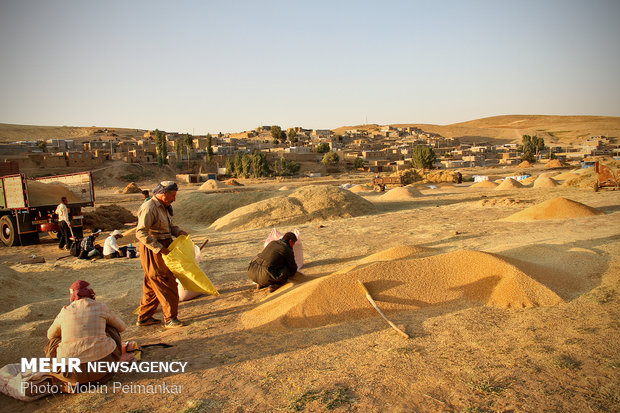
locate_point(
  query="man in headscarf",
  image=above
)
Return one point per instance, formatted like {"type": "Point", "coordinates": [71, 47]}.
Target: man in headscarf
{"type": "Point", "coordinates": [155, 231]}
{"type": "Point", "coordinates": [275, 264]}
{"type": "Point", "coordinates": [86, 329]}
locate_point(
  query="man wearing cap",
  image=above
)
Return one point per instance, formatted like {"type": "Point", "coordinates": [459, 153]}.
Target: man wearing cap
{"type": "Point", "coordinates": [86, 329]}
{"type": "Point", "coordinates": [155, 231]}
{"type": "Point", "coordinates": [110, 247]}
{"type": "Point", "coordinates": [88, 247]}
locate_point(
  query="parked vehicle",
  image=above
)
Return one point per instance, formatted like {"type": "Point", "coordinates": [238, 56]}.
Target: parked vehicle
{"type": "Point", "coordinates": [27, 206]}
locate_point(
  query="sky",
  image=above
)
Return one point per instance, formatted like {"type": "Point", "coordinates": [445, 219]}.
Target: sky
{"type": "Point", "coordinates": [209, 66]}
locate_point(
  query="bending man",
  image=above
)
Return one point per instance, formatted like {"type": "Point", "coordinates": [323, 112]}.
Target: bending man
{"type": "Point", "coordinates": [275, 264]}
{"type": "Point", "coordinates": [85, 329]}
{"type": "Point", "coordinates": [155, 231]}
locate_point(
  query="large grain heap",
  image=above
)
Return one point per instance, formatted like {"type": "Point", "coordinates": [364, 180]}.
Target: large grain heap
{"type": "Point", "coordinates": [484, 184]}
{"type": "Point", "coordinates": [307, 204]}
{"type": "Point", "coordinates": [558, 208]}
{"type": "Point", "coordinates": [211, 185]}
{"type": "Point", "coordinates": [544, 181]}
{"type": "Point", "coordinates": [40, 194]}
{"type": "Point", "coordinates": [17, 290]}
{"type": "Point", "coordinates": [410, 284]}
{"type": "Point", "coordinates": [108, 218]}
{"type": "Point", "coordinates": [524, 164]}
{"type": "Point", "coordinates": [401, 193]}
{"type": "Point", "coordinates": [132, 188]}
{"type": "Point", "coordinates": [359, 188]}
{"type": "Point", "coordinates": [509, 183]}
{"type": "Point", "coordinates": [554, 163]}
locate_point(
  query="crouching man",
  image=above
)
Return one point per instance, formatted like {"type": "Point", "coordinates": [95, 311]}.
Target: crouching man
{"type": "Point", "coordinates": [86, 329]}
{"type": "Point", "coordinates": [275, 264]}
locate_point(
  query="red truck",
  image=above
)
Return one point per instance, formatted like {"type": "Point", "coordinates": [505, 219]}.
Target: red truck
{"type": "Point", "coordinates": [27, 206]}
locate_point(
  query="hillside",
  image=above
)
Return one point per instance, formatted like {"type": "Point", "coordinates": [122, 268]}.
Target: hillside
{"type": "Point", "coordinates": [10, 132]}
{"type": "Point", "coordinates": [510, 128]}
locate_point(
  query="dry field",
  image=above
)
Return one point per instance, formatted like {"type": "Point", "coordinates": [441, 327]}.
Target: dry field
{"type": "Point", "coordinates": [504, 315]}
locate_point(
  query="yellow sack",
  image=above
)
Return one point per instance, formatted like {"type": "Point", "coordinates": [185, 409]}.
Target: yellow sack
{"type": "Point", "coordinates": [182, 262]}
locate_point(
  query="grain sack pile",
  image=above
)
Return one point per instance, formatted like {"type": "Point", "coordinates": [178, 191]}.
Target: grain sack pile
{"type": "Point", "coordinates": [509, 183]}
{"type": "Point", "coordinates": [307, 204]}
{"type": "Point", "coordinates": [484, 184]}
{"type": "Point", "coordinates": [211, 185]}
{"type": "Point", "coordinates": [410, 284]}
{"type": "Point", "coordinates": [132, 188]}
{"type": "Point", "coordinates": [544, 181]}
{"type": "Point", "coordinates": [558, 208]}
{"type": "Point", "coordinates": [402, 193]}
{"type": "Point", "coordinates": [40, 194]}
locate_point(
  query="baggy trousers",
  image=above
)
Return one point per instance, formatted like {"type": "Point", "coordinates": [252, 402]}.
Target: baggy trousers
{"type": "Point", "coordinates": [63, 379]}
{"type": "Point", "coordinates": [64, 233]}
{"type": "Point", "coordinates": [160, 285]}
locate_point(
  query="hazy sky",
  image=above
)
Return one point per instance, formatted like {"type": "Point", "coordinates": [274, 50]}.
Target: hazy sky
{"type": "Point", "coordinates": [210, 66]}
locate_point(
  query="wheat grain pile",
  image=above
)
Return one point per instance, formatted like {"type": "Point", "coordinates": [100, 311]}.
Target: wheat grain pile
{"type": "Point", "coordinates": [284, 188]}
{"type": "Point", "coordinates": [307, 204]}
{"type": "Point", "coordinates": [506, 202]}
{"type": "Point", "coordinates": [484, 184]}
{"type": "Point", "coordinates": [558, 208]}
{"type": "Point", "coordinates": [509, 183]}
{"type": "Point", "coordinates": [359, 188]}
{"type": "Point", "coordinates": [410, 284]}
{"type": "Point", "coordinates": [132, 188]}
{"type": "Point", "coordinates": [402, 193]}
{"type": "Point", "coordinates": [554, 163]}
{"type": "Point", "coordinates": [17, 290]}
{"type": "Point", "coordinates": [566, 176]}
{"type": "Point", "coordinates": [544, 181]}
{"type": "Point", "coordinates": [211, 185]}
{"type": "Point", "coordinates": [233, 182]}
{"type": "Point", "coordinates": [108, 218]}
{"type": "Point", "coordinates": [524, 164]}
{"type": "Point", "coordinates": [204, 208]}
{"type": "Point", "coordinates": [40, 194]}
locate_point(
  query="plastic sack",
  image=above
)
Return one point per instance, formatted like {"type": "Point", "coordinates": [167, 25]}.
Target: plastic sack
{"type": "Point", "coordinates": [185, 295]}
{"type": "Point", "coordinates": [13, 383]}
{"type": "Point", "coordinates": [298, 248]}
{"type": "Point", "coordinates": [182, 262]}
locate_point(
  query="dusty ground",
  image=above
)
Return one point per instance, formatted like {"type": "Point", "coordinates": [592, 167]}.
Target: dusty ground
{"type": "Point", "coordinates": [461, 356]}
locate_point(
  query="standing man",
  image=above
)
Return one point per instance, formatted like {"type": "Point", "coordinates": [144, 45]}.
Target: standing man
{"type": "Point", "coordinates": [64, 225]}
{"type": "Point", "coordinates": [155, 231]}
{"type": "Point", "coordinates": [275, 264]}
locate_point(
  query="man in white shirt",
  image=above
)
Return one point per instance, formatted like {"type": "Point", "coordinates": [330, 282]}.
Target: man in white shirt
{"type": "Point", "coordinates": [64, 225]}
{"type": "Point", "coordinates": [110, 247]}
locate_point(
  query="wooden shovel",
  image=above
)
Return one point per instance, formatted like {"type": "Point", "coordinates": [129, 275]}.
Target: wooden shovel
{"type": "Point", "coordinates": [369, 297]}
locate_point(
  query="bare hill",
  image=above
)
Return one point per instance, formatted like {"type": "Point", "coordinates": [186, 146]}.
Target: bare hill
{"type": "Point", "coordinates": [10, 132]}
{"type": "Point", "coordinates": [510, 128]}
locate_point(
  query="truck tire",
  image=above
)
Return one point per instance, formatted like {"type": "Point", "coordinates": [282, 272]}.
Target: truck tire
{"type": "Point", "coordinates": [8, 231]}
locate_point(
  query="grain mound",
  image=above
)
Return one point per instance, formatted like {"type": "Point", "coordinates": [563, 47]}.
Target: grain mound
{"type": "Point", "coordinates": [108, 218]}
{"type": "Point", "coordinates": [558, 208]}
{"type": "Point", "coordinates": [359, 188]}
{"type": "Point", "coordinates": [554, 163]}
{"type": "Point", "coordinates": [211, 185]}
{"type": "Point", "coordinates": [17, 290]}
{"type": "Point", "coordinates": [524, 164]}
{"type": "Point", "coordinates": [528, 181]}
{"type": "Point", "coordinates": [408, 284]}
{"type": "Point", "coordinates": [40, 194]}
{"type": "Point", "coordinates": [233, 182]}
{"type": "Point", "coordinates": [307, 204]}
{"type": "Point", "coordinates": [390, 254]}
{"type": "Point", "coordinates": [402, 193]}
{"type": "Point", "coordinates": [544, 181]}
{"type": "Point", "coordinates": [132, 188]}
{"type": "Point", "coordinates": [509, 183]}
{"type": "Point", "coordinates": [204, 208]}
{"type": "Point", "coordinates": [565, 176]}
{"type": "Point", "coordinates": [284, 188]}
{"type": "Point", "coordinates": [484, 184]}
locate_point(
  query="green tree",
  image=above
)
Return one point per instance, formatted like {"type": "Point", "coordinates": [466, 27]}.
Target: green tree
{"type": "Point", "coordinates": [330, 159]}
{"type": "Point", "coordinates": [423, 156]}
{"type": "Point", "coordinates": [209, 148]}
{"type": "Point", "coordinates": [230, 167]}
{"type": "Point", "coordinates": [178, 148]}
{"type": "Point", "coordinates": [246, 165]}
{"type": "Point", "coordinates": [42, 145]}
{"type": "Point", "coordinates": [358, 163]}
{"type": "Point", "coordinates": [162, 148]}
{"type": "Point", "coordinates": [276, 133]}
{"type": "Point", "coordinates": [189, 143]}
{"type": "Point", "coordinates": [292, 135]}
{"type": "Point", "coordinates": [238, 165]}
{"type": "Point", "coordinates": [260, 166]}
{"type": "Point", "coordinates": [529, 148]}
{"type": "Point", "coordinates": [322, 147]}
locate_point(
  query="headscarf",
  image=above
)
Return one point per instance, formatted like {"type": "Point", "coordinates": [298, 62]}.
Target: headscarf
{"type": "Point", "coordinates": [79, 289]}
{"type": "Point", "coordinates": [165, 186]}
